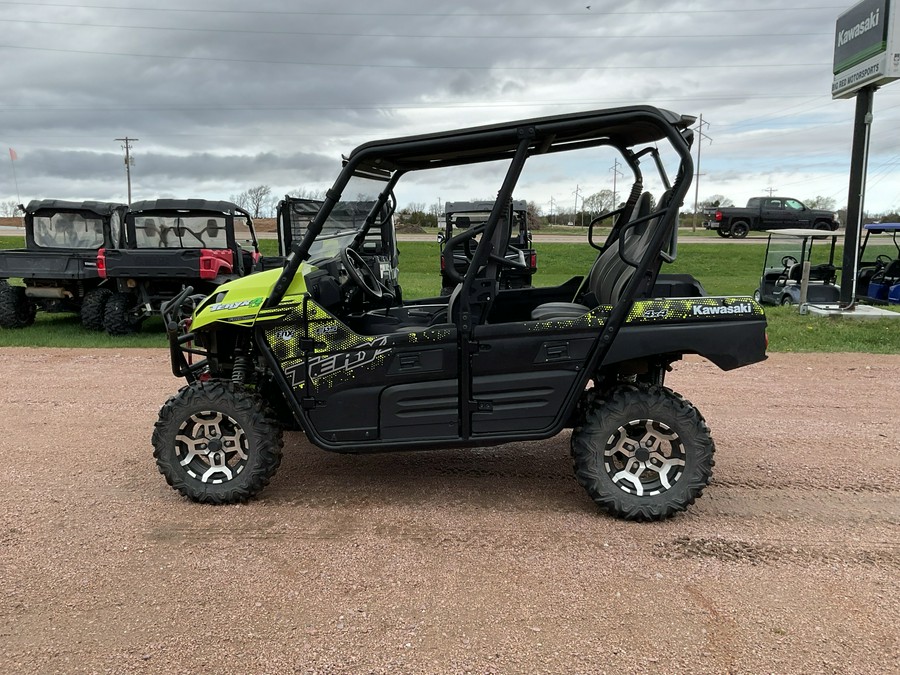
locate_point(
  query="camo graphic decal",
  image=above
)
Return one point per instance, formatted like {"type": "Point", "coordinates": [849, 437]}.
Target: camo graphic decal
{"type": "Point", "coordinates": [690, 309]}
{"type": "Point", "coordinates": [339, 353]}
{"type": "Point", "coordinates": [596, 318]}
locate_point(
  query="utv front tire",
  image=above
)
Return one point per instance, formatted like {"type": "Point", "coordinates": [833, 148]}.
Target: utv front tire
{"type": "Point", "coordinates": [93, 307]}
{"type": "Point", "coordinates": [643, 454]}
{"type": "Point", "coordinates": [16, 309]}
{"type": "Point", "coordinates": [117, 316]}
{"type": "Point", "coordinates": [217, 443]}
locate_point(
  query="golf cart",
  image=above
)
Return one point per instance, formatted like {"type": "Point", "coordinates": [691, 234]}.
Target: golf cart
{"type": "Point", "coordinates": [172, 243]}
{"type": "Point", "coordinates": [324, 345]}
{"type": "Point", "coordinates": [463, 215]}
{"type": "Point", "coordinates": [878, 278]}
{"type": "Point", "coordinates": [58, 265]}
{"type": "Point", "coordinates": [786, 252]}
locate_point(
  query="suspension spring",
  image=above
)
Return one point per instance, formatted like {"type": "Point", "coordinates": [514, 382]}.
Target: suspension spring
{"type": "Point", "coordinates": [241, 368]}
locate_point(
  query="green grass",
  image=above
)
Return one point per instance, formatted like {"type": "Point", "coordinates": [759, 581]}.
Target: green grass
{"type": "Point", "coordinates": [724, 269]}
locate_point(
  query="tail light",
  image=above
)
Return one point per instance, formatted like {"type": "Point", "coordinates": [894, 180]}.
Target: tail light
{"type": "Point", "coordinates": [532, 261]}
{"type": "Point", "coordinates": [443, 264]}
{"type": "Point", "coordinates": [718, 215]}
{"type": "Point", "coordinates": [101, 262]}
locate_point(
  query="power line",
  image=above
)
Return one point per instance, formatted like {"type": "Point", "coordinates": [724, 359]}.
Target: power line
{"type": "Point", "coordinates": [406, 66]}
{"type": "Point", "coordinates": [168, 10]}
{"type": "Point", "coordinates": [422, 36]}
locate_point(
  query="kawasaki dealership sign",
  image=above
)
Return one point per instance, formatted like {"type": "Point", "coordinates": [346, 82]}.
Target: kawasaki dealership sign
{"type": "Point", "coordinates": [866, 47]}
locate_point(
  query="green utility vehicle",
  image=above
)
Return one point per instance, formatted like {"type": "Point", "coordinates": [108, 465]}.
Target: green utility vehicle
{"type": "Point", "coordinates": [326, 346]}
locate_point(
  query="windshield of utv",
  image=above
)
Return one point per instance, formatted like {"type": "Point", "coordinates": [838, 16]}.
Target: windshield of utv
{"type": "Point", "coordinates": [203, 231]}
{"type": "Point", "coordinates": [344, 222]}
{"type": "Point", "coordinates": [68, 230]}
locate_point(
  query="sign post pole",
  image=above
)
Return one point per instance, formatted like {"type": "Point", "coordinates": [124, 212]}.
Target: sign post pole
{"type": "Point", "coordinates": [859, 158]}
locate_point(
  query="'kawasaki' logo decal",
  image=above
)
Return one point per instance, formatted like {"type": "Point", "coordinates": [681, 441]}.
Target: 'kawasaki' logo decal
{"type": "Point", "coordinates": [715, 310]}
{"type": "Point", "coordinates": [219, 306]}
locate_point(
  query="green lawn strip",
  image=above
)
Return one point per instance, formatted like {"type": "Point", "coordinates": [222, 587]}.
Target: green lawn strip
{"type": "Point", "coordinates": [724, 269]}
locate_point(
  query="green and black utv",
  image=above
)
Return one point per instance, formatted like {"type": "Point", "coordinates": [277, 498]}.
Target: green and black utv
{"type": "Point", "coordinates": [323, 346]}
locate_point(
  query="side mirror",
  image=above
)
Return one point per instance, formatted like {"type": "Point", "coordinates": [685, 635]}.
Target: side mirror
{"type": "Point", "coordinates": [440, 237]}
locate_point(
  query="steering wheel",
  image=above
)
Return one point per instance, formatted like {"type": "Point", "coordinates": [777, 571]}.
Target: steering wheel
{"type": "Point", "coordinates": [788, 260]}
{"type": "Point", "coordinates": [360, 273]}
{"type": "Point", "coordinates": [882, 260]}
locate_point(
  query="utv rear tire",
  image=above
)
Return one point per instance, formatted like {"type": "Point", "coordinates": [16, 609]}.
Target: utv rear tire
{"type": "Point", "coordinates": [740, 229]}
{"type": "Point", "coordinates": [93, 307]}
{"type": "Point", "coordinates": [117, 319]}
{"type": "Point", "coordinates": [643, 453]}
{"type": "Point", "coordinates": [217, 443]}
{"type": "Point", "coordinates": [16, 309]}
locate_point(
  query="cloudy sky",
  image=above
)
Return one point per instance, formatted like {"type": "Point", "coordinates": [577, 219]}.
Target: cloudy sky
{"type": "Point", "coordinates": [224, 95]}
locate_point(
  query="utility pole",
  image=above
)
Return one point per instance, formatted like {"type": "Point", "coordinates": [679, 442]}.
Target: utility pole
{"type": "Point", "coordinates": [576, 193]}
{"type": "Point", "coordinates": [701, 137]}
{"type": "Point", "coordinates": [129, 161]}
{"type": "Point", "coordinates": [616, 173]}
{"type": "Point", "coordinates": [551, 210]}
{"type": "Point", "coordinates": [771, 191]}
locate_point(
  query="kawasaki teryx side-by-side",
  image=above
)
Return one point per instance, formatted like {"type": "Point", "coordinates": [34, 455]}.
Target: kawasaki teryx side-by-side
{"type": "Point", "coordinates": [323, 345]}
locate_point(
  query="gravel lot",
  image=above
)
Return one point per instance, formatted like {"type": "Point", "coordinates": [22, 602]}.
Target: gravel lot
{"type": "Point", "coordinates": [454, 561]}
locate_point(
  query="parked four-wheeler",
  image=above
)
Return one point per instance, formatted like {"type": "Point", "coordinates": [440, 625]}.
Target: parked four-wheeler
{"type": "Point", "coordinates": [768, 213]}
{"type": "Point", "coordinates": [782, 275]}
{"type": "Point", "coordinates": [463, 215]}
{"type": "Point", "coordinates": [170, 244]}
{"type": "Point", "coordinates": [58, 266]}
{"type": "Point", "coordinates": [878, 275]}
{"type": "Point", "coordinates": [321, 344]}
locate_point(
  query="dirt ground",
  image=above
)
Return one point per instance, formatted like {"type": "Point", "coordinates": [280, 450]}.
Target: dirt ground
{"type": "Point", "coordinates": [453, 561]}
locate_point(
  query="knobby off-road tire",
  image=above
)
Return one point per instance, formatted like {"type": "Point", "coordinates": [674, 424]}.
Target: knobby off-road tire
{"type": "Point", "coordinates": [93, 308]}
{"type": "Point", "coordinates": [116, 315]}
{"type": "Point", "coordinates": [16, 309]}
{"type": "Point", "coordinates": [216, 442]}
{"type": "Point", "coordinates": [740, 229]}
{"type": "Point", "coordinates": [643, 453]}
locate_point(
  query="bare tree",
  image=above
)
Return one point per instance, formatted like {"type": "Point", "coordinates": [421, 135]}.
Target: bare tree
{"type": "Point", "coordinates": [256, 199]}
{"type": "Point", "coordinates": [240, 200]}
{"type": "Point", "coordinates": [9, 208]}
{"type": "Point", "coordinates": [307, 193]}
{"type": "Point", "coordinates": [715, 201]}
{"type": "Point", "coordinates": [820, 202]}
{"type": "Point", "coordinates": [599, 202]}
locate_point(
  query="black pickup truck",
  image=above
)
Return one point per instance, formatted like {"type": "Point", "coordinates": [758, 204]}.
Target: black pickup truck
{"type": "Point", "coordinates": [767, 213]}
{"type": "Point", "coordinates": [58, 266]}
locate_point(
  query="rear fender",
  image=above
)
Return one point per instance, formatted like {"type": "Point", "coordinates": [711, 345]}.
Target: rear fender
{"type": "Point", "coordinates": [730, 332]}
